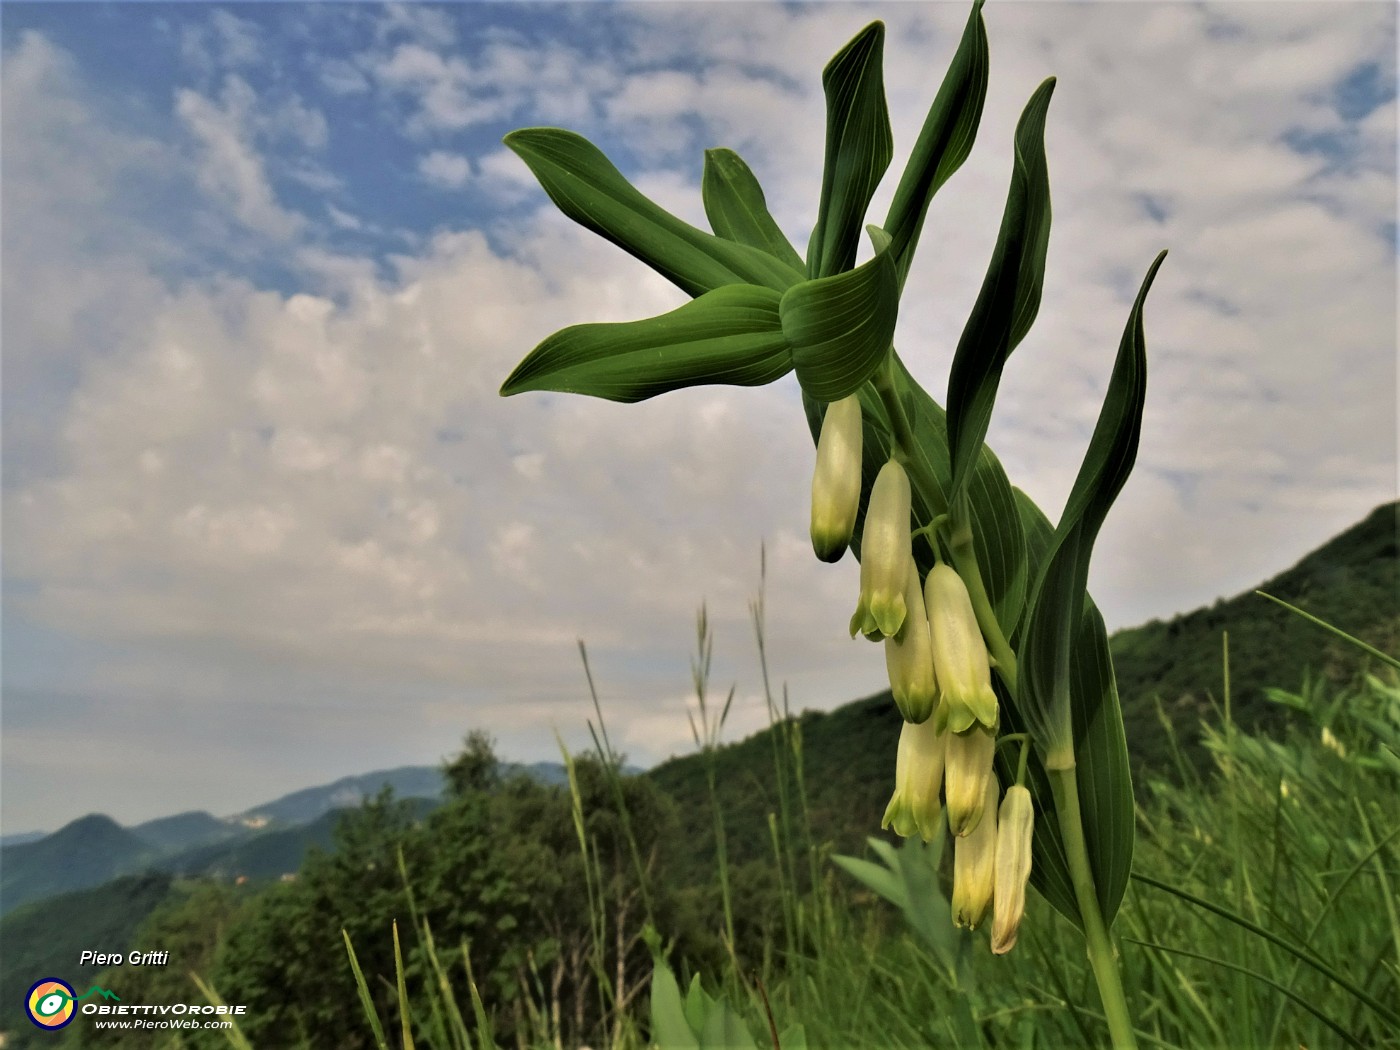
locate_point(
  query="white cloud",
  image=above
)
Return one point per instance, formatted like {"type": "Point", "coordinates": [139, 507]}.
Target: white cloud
{"type": "Point", "coordinates": [322, 482]}
{"type": "Point", "coordinates": [419, 22]}
{"type": "Point", "coordinates": [441, 87]}
{"type": "Point", "coordinates": [342, 219]}
{"type": "Point", "coordinates": [451, 89]}
{"type": "Point", "coordinates": [340, 77]}
{"type": "Point", "coordinates": [230, 168]}
{"type": "Point", "coordinates": [223, 41]}
{"type": "Point", "coordinates": [449, 170]}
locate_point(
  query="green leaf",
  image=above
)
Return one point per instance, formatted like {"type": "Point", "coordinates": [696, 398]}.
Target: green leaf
{"type": "Point", "coordinates": [1010, 296]}
{"type": "Point", "coordinates": [591, 191]}
{"type": "Point", "coordinates": [859, 146]}
{"type": "Point", "coordinates": [945, 141]}
{"type": "Point", "coordinates": [669, 1027]}
{"type": "Point", "coordinates": [366, 1000]}
{"type": "Point", "coordinates": [874, 877]}
{"type": "Point", "coordinates": [908, 879]}
{"type": "Point", "coordinates": [1102, 767]}
{"type": "Point", "coordinates": [840, 327]}
{"type": "Point", "coordinates": [724, 1029]}
{"type": "Point", "coordinates": [713, 1023]}
{"type": "Point", "coordinates": [730, 335]}
{"type": "Point", "coordinates": [737, 209]}
{"type": "Point", "coordinates": [1068, 696]}
{"type": "Point", "coordinates": [405, 1022]}
{"type": "Point", "coordinates": [1101, 759]}
{"type": "Point", "coordinates": [1048, 644]}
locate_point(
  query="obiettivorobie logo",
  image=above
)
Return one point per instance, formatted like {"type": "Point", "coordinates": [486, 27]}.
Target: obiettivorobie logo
{"type": "Point", "coordinates": [50, 1002]}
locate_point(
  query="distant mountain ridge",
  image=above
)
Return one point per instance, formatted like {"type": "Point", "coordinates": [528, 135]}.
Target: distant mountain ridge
{"type": "Point", "coordinates": [183, 830]}
{"type": "Point", "coordinates": [87, 852]}
{"type": "Point", "coordinates": [308, 804]}
{"type": "Point", "coordinates": [19, 838]}
{"type": "Point", "coordinates": [262, 842]}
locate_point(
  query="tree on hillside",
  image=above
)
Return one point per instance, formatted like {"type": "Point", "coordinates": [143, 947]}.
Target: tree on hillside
{"type": "Point", "coordinates": [286, 959]}
{"type": "Point", "coordinates": [474, 769]}
{"type": "Point", "coordinates": [189, 924]}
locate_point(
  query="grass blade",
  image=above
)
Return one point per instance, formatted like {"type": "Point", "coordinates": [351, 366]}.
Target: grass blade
{"type": "Point", "coordinates": [1298, 953]}
{"type": "Point", "coordinates": [1371, 649]}
{"type": "Point", "coordinates": [365, 1000]}
{"type": "Point", "coordinates": [405, 1026]}
{"type": "Point", "coordinates": [1263, 978]}
{"type": "Point", "coordinates": [233, 1034]}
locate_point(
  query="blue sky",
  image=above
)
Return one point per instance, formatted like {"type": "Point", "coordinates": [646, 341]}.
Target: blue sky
{"type": "Point", "coordinates": [265, 266]}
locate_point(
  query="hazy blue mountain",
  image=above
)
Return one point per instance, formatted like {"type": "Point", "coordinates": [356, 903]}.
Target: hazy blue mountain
{"type": "Point", "coordinates": [265, 854]}
{"type": "Point", "coordinates": [19, 838]}
{"type": "Point", "coordinates": [263, 842]}
{"type": "Point", "coordinates": [187, 830]}
{"type": "Point", "coordinates": [302, 807]}
{"type": "Point", "coordinates": [88, 852]}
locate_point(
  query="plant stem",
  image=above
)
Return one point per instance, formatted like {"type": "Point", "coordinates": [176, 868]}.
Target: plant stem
{"type": "Point", "coordinates": [903, 432]}
{"type": "Point", "coordinates": [965, 561]}
{"type": "Point", "coordinates": [1103, 957]}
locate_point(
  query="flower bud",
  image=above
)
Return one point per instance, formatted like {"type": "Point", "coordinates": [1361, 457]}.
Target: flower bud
{"type": "Point", "coordinates": [886, 549]}
{"type": "Point", "coordinates": [968, 771]}
{"type": "Point", "coordinates": [1015, 824]}
{"type": "Point", "coordinates": [909, 656]}
{"type": "Point", "coordinates": [974, 865]}
{"type": "Point", "coordinates": [836, 479]}
{"type": "Point", "coordinates": [959, 654]}
{"type": "Point", "coordinates": [918, 776]}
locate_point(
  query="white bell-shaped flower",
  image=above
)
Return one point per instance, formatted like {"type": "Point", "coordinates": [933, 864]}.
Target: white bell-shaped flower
{"type": "Point", "coordinates": [886, 550]}
{"type": "Point", "coordinates": [974, 865]}
{"type": "Point", "coordinates": [909, 656]}
{"type": "Point", "coordinates": [960, 657]}
{"type": "Point", "coordinates": [1015, 827]}
{"type": "Point", "coordinates": [836, 479]}
{"type": "Point", "coordinates": [918, 777]}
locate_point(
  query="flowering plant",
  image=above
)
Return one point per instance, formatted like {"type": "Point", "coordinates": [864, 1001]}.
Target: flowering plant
{"type": "Point", "coordinates": [979, 600]}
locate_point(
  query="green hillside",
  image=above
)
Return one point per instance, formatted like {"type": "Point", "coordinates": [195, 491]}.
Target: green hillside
{"type": "Point", "coordinates": [847, 767]}
{"type": "Point", "coordinates": [45, 939]}
{"type": "Point", "coordinates": [1353, 582]}
{"type": "Point", "coordinates": [848, 754]}
{"type": "Point", "coordinates": [88, 852]}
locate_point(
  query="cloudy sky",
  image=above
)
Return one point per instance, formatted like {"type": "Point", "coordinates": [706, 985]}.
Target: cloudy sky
{"type": "Point", "coordinates": [267, 522]}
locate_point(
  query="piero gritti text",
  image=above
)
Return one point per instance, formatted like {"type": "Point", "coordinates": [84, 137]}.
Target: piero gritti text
{"type": "Point", "coordinates": [133, 958]}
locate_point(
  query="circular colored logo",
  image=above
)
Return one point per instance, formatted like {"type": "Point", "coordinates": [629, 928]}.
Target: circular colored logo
{"type": "Point", "coordinates": [50, 1003]}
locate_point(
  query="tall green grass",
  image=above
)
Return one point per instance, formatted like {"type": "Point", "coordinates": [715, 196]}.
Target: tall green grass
{"type": "Point", "coordinates": [1262, 914]}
